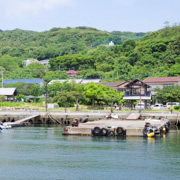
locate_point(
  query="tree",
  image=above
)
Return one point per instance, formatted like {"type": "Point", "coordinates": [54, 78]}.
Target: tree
{"type": "Point", "coordinates": [168, 94]}
{"type": "Point", "coordinates": [8, 62]}
{"type": "Point", "coordinates": [52, 75]}
{"type": "Point", "coordinates": [94, 92]}
{"type": "Point", "coordinates": [36, 70]}
{"type": "Point", "coordinates": [64, 97]}
{"type": "Point", "coordinates": [111, 96]}
{"type": "Point", "coordinates": [56, 87]}
{"type": "Point", "coordinates": [36, 90]}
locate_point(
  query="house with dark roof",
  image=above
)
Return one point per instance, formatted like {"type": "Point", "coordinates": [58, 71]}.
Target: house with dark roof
{"type": "Point", "coordinates": [118, 85]}
{"type": "Point", "coordinates": [27, 81]}
{"type": "Point", "coordinates": [137, 90]}
{"type": "Point", "coordinates": [161, 82]}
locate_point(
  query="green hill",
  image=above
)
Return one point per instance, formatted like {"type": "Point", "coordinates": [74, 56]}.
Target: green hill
{"type": "Point", "coordinates": [134, 54]}
{"type": "Point", "coordinates": [52, 43]}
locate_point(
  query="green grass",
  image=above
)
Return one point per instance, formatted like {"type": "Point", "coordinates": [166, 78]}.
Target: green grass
{"type": "Point", "coordinates": [42, 107]}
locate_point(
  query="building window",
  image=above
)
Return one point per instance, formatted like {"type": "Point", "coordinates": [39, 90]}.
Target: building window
{"type": "Point", "coordinates": [153, 87]}
{"type": "Point", "coordinates": [167, 85]}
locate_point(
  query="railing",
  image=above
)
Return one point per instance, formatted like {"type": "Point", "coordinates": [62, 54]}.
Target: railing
{"type": "Point", "coordinates": [127, 94]}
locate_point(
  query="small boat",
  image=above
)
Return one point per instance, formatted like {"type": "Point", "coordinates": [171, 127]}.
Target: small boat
{"type": "Point", "coordinates": [4, 126]}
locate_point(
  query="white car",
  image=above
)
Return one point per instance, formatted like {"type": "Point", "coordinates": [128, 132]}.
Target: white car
{"type": "Point", "coordinates": [139, 106]}
{"type": "Point", "coordinates": [158, 107]}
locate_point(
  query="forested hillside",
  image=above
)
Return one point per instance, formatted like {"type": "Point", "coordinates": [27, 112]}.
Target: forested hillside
{"type": "Point", "coordinates": [82, 48]}
{"type": "Point", "coordinates": [53, 43]}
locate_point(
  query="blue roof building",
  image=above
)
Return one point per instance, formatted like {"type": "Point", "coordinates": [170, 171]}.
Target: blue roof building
{"type": "Point", "coordinates": [27, 81]}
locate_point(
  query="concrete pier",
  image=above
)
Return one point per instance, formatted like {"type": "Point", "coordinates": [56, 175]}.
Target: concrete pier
{"type": "Point", "coordinates": [130, 127]}
{"type": "Point", "coordinates": [54, 117]}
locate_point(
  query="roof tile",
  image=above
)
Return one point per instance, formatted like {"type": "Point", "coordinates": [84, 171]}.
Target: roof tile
{"type": "Point", "coordinates": [161, 79]}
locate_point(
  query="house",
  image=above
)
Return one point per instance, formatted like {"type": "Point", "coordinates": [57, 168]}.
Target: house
{"type": "Point", "coordinates": [27, 81]}
{"type": "Point", "coordinates": [44, 62]}
{"type": "Point", "coordinates": [161, 82]}
{"type": "Point", "coordinates": [29, 61]}
{"type": "Point", "coordinates": [137, 90]}
{"type": "Point", "coordinates": [9, 93]}
{"type": "Point", "coordinates": [72, 73]}
{"type": "Point", "coordinates": [108, 45]}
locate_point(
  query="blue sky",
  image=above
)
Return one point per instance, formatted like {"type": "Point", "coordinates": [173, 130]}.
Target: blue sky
{"type": "Point", "coordinates": [108, 15]}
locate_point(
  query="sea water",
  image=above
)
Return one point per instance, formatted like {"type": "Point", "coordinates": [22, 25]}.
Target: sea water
{"type": "Point", "coordinates": [42, 152]}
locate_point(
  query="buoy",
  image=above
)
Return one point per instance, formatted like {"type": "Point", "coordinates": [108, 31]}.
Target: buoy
{"type": "Point", "coordinates": [151, 134]}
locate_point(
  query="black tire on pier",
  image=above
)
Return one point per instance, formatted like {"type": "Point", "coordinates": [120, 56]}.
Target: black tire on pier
{"type": "Point", "coordinates": [145, 131]}
{"type": "Point", "coordinates": [104, 131]}
{"type": "Point", "coordinates": [167, 127]}
{"type": "Point", "coordinates": [97, 130]}
{"type": "Point", "coordinates": [120, 131]}
{"type": "Point", "coordinates": [161, 131]}
{"type": "Point", "coordinates": [111, 133]}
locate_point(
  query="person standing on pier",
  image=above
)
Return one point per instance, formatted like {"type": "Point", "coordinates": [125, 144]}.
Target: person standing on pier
{"type": "Point", "coordinates": [171, 108]}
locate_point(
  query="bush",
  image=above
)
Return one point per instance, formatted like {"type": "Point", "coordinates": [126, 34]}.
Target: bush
{"type": "Point", "coordinates": [177, 107]}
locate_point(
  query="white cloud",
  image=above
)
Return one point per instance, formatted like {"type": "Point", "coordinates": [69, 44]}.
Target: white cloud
{"type": "Point", "coordinates": [33, 7]}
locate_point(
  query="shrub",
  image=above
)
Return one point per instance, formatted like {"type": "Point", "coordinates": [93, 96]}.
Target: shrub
{"type": "Point", "coordinates": [177, 107]}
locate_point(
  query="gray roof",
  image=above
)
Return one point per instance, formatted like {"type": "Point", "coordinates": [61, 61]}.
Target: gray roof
{"type": "Point", "coordinates": [86, 81]}
{"type": "Point", "coordinates": [28, 81]}
{"type": "Point", "coordinates": [77, 81]}
{"type": "Point", "coordinates": [7, 91]}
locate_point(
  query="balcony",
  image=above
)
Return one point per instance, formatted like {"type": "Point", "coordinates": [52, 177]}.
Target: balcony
{"type": "Point", "coordinates": [137, 96]}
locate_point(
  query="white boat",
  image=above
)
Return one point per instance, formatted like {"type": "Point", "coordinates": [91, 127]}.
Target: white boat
{"type": "Point", "coordinates": [5, 126]}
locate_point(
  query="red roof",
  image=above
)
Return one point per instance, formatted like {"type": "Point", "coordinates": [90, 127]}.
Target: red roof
{"type": "Point", "coordinates": [72, 73]}
{"type": "Point", "coordinates": [161, 79]}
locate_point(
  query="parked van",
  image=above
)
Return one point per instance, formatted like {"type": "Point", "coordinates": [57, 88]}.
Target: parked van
{"type": "Point", "coordinates": [168, 104]}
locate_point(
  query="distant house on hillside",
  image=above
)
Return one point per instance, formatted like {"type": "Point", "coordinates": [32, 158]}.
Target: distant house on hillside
{"type": "Point", "coordinates": [108, 45]}
{"type": "Point", "coordinates": [29, 61]}
{"type": "Point", "coordinates": [72, 73]}
{"type": "Point", "coordinates": [44, 62]}
{"type": "Point", "coordinates": [27, 81]}
{"type": "Point", "coordinates": [161, 82]}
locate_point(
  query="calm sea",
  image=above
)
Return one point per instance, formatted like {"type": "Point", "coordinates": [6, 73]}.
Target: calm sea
{"type": "Point", "coordinates": [41, 152]}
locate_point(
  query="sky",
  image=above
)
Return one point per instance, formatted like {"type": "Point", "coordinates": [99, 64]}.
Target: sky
{"type": "Point", "coordinates": [107, 15]}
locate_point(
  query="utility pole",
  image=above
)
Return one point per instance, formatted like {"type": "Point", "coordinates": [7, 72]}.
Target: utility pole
{"type": "Point", "coordinates": [2, 79]}
{"type": "Point", "coordinates": [46, 97]}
